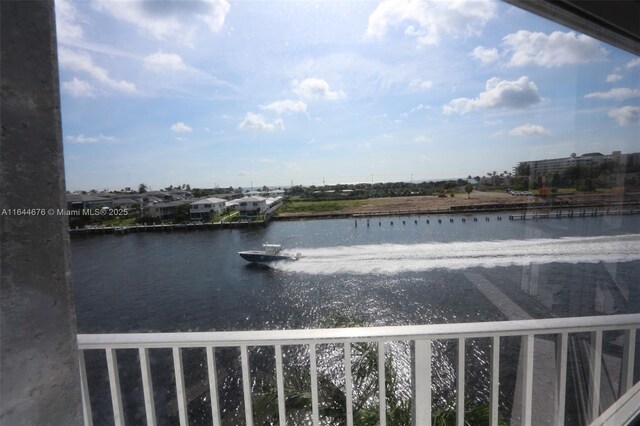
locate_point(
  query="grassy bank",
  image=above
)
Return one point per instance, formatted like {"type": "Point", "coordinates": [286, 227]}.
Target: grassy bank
{"type": "Point", "coordinates": [321, 206]}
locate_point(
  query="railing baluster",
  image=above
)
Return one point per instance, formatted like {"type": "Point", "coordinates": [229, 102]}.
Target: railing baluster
{"type": "Point", "coordinates": [213, 385]}
{"type": "Point", "coordinates": [314, 385]}
{"type": "Point", "coordinates": [628, 360]}
{"type": "Point", "coordinates": [381, 384]}
{"type": "Point", "coordinates": [246, 385]}
{"type": "Point", "coordinates": [348, 383]}
{"type": "Point", "coordinates": [147, 386]}
{"type": "Point", "coordinates": [282, 414]}
{"type": "Point", "coordinates": [527, 388]}
{"type": "Point", "coordinates": [422, 376]}
{"type": "Point", "coordinates": [114, 384]}
{"type": "Point", "coordinates": [422, 351]}
{"type": "Point", "coordinates": [86, 400]}
{"type": "Point", "coordinates": [180, 388]}
{"type": "Point", "coordinates": [596, 369]}
{"type": "Point", "coordinates": [495, 380]}
{"type": "Point", "coordinates": [460, 380]}
{"type": "Point", "coordinates": [561, 377]}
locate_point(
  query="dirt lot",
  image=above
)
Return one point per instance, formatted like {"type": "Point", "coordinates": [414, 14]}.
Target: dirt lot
{"type": "Point", "coordinates": [422, 203]}
{"type": "Point", "coordinates": [434, 203]}
{"type": "Point", "coordinates": [403, 204]}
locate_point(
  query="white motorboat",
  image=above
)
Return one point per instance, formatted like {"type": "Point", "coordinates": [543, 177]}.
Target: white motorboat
{"type": "Point", "coordinates": [270, 253]}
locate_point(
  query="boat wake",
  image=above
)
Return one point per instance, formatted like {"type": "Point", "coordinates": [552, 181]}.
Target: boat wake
{"type": "Point", "coordinates": [395, 258]}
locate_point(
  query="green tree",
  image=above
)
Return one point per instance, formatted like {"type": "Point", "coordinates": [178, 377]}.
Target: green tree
{"type": "Point", "coordinates": [468, 188]}
{"type": "Point", "coordinates": [142, 188]}
{"type": "Point", "coordinates": [183, 213]}
{"type": "Point", "coordinates": [523, 169]}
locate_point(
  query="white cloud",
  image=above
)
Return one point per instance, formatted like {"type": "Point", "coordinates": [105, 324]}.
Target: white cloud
{"type": "Point", "coordinates": [434, 18]}
{"type": "Point", "coordinates": [554, 50]}
{"type": "Point", "coordinates": [165, 20]}
{"type": "Point", "coordinates": [316, 89]}
{"type": "Point", "coordinates": [365, 76]}
{"type": "Point", "coordinates": [485, 55]}
{"type": "Point", "coordinates": [619, 93]}
{"type": "Point", "coordinates": [89, 139]}
{"type": "Point", "coordinates": [165, 62]}
{"type": "Point", "coordinates": [421, 139]}
{"type": "Point", "coordinates": [626, 115]}
{"type": "Point", "coordinates": [172, 63]}
{"type": "Point", "coordinates": [258, 122]}
{"type": "Point", "coordinates": [420, 84]}
{"type": "Point", "coordinates": [67, 26]}
{"type": "Point", "coordinates": [76, 61]}
{"type": "Point", "coordinates": [285, 105]}
{"type": "Point", "coordinates": [79, 88]}
{"type": "Point", "coordinates": [633, 63]}
{"type": "Point", "coordinates": [419, 107]}
{"type": "Point", "coordinates": [180, 127]}
{"type": "Point", "coordinates": [517, 94]}
{"type": "Point", "coordinates": [612, 78]}
{"type": "Point", "coordinates": [528, 130]}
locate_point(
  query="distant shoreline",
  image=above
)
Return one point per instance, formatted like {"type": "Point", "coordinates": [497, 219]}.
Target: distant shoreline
{"type": "Point", "coordinates": [521, 211]}
{"type": "Point", "coordinates": [488, 202]}
{"type": "Point", "coordinates": [463, 210]}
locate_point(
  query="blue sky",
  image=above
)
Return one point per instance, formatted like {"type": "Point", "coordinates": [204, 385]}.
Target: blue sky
{"type": "Point", "coordinates": [211, 92]}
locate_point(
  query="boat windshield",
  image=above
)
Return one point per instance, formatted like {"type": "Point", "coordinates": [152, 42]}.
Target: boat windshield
{"type": "Point", "coordinates": [272, 248]}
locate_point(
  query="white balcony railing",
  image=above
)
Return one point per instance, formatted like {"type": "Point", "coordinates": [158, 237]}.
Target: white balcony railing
{"type": "Point", "coordinates": [422, 337]}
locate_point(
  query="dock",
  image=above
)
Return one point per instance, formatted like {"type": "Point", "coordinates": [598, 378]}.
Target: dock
{"type": "Point", "coordinates": [121, 230]}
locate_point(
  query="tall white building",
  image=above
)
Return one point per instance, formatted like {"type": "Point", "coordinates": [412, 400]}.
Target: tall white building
{"type": "Point", "coordinates": [558, 165]}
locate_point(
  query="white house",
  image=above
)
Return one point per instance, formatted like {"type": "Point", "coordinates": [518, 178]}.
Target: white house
{"type": "Point", "coordinates": [251, 206]}
{"type": "Point", "coordinates": [206, 208]}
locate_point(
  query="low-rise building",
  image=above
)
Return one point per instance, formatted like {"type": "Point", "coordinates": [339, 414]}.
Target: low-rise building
{"type": "Point", "coordinates": [165, 211]}
{"type": "Point", "coordinates": [274, 193]}
{"type": "Point", "coordinates": [126, 203]}
{"type": "Point", "coordinates": [206, 208]}
{"type": "Point", "coordinates": [251, 206]}
{"type": "Point", "coordinates": [87, 201]}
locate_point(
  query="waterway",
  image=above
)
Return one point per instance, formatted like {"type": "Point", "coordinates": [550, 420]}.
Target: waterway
{"type": "Point", "coordinates": [389, 271]}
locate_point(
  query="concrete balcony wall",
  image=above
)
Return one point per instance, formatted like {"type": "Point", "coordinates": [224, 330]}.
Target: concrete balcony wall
{"type": "Point", "coordinates": [39, 376]}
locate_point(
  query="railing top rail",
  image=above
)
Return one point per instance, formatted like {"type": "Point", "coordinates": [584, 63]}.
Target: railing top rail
{"type": "Point", "coordinates": [358, 334]}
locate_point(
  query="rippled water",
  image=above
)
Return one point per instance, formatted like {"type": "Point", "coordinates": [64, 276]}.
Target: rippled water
{"type": "Point", "coordinates": [382, 274]}
{"type": "Point", "coordinates": [408, 272]}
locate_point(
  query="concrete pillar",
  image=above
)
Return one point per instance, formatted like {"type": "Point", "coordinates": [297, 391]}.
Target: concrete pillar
{"type": "Point", "coordinates": [39, 377]}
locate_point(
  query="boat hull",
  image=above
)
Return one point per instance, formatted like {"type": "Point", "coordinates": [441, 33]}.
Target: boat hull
{"type": "Point", "coordinates": [260, 257]}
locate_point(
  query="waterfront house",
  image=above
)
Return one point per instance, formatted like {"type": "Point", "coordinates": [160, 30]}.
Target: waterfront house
{"type": "Point", "coordinates": [251, 206]}
{"type": "Point", "coordinates": [165, 211]}
{"type": "Point", "coordinates": [206, 208]}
